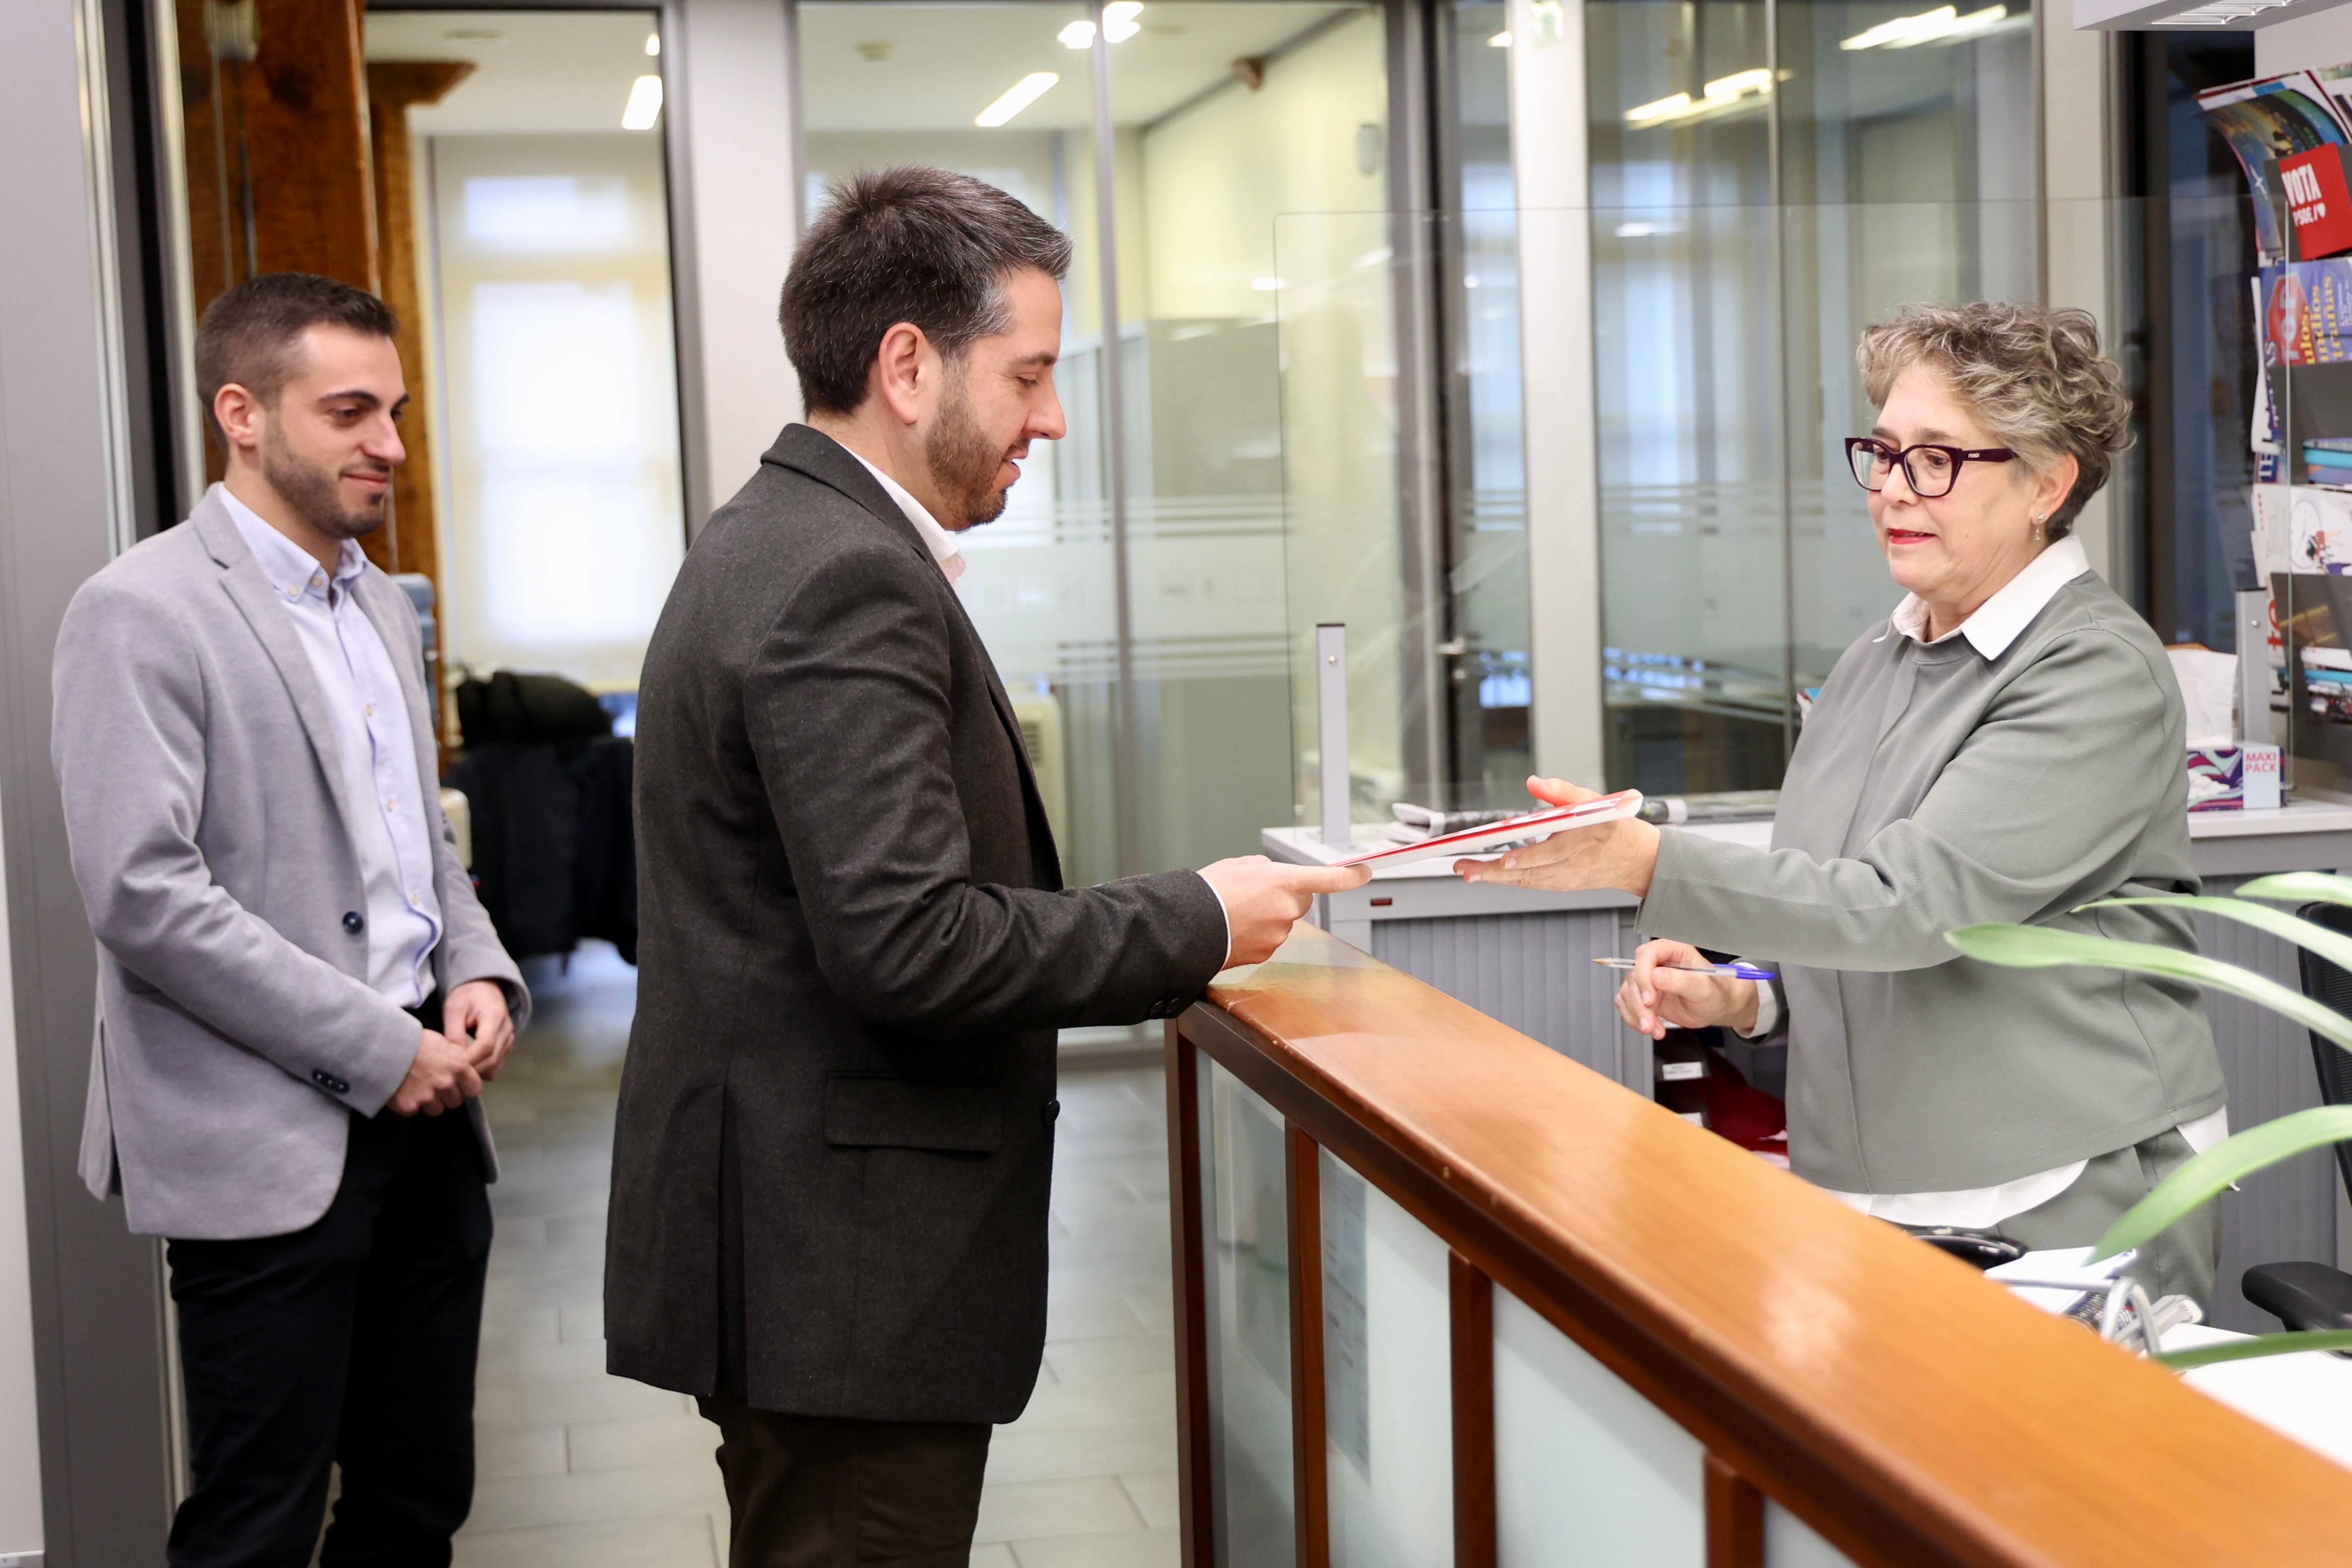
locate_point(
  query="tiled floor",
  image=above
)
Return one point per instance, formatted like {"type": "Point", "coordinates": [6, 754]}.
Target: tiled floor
{"type": "Point", "coordinates": [577, 1469]}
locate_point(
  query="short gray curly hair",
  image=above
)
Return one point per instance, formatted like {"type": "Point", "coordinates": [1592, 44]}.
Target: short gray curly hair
{"type": "Point", "coordinates": [2033, 374]}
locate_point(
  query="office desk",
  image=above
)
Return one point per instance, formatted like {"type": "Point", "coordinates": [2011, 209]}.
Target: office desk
{"type": "Point", "coordinates": [1525, 958]}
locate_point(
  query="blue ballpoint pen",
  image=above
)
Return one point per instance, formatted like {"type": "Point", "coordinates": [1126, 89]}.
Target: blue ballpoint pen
{"type": "Point", "coordinates": [1737, 971]}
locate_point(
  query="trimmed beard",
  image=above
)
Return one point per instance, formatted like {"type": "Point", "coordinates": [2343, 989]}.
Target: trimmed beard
{"type": "Point", "coordinates": [963, 460]}
{"type": "Point", "coordinates": [313, 492]}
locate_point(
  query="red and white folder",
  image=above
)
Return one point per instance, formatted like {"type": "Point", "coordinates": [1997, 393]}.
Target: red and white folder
{"type": "Point", "coordinates": [1535, 825]}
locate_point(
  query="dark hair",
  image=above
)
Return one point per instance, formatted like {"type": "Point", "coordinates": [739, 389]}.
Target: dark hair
{"type": "Point", "coordinates": [249, 335]}
{"type": "Point", "coordinates": [913, 243]}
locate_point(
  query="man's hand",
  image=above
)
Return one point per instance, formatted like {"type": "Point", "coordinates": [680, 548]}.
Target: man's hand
{"type": "Point", "coordinates": [440, 1079]}
{"type": "Point", "coordinates": [1265, 898]}
{"type": "Point", "coordinates": [475, 1016]}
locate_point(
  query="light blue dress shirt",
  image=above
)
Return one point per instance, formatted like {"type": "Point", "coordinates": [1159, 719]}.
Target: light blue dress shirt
{"type": "Point", "coordinates": [383, 795]}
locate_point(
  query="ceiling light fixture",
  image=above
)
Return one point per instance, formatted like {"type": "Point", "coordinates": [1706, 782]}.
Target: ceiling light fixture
{"type": "Point", "coordinates": [644, 104]}
{"type": "Point", "coordinates": [1269, 285]}
{"type": "Point", "coordinates": [1501, 40]}
{"type": "Point", "coordinates": [1017, 97]}
{"type": "Point", "coordinates": [1722, 93]}
{"type": "Point", "coordinates": [1078, 34]}
{"type": "Point", "coordinates": [1120, 20]}
{"type": "Point", "coordinates": [1944, 24]}
{"type": "Point", "coordinates": [653, 44]}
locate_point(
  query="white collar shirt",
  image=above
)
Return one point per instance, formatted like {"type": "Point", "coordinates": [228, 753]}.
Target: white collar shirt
{"type": "Point", "coordinates": [2003, 618]}
{"type": "Point", "coordinates": [384, 794]}
{"type": "Point", "coordinates": [937, 540]}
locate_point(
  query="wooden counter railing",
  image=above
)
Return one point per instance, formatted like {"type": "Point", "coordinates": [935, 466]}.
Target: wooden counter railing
{"type": "Point", "coordinates": [1562, 1326]}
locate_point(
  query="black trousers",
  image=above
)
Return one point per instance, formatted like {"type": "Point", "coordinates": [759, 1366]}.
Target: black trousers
{"type": "Point", "coordinates": [350, 1342]}
{"type": "Point", "coordinates": [809, 1491]}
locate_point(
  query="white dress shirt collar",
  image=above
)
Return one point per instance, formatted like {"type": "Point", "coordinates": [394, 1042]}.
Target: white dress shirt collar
{"type": "Point", "coordinates": [291, 570]}
{"type": "Point", "coordinates": [941, 543]}
{"type": "Point", "coordinates": [1998, 619]}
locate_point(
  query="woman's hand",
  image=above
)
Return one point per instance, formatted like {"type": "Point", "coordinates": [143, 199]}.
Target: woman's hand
{"type": "Point", "coordinates": [1662, 992]}
{"type": "Point", "coordinates": [1619, 854]}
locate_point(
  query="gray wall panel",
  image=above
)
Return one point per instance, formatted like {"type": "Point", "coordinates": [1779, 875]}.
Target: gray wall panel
{"type": "Point", "coordinates": [1533, 972]}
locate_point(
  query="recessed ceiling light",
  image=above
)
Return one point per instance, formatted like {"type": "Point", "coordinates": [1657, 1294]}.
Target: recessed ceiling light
{"type": "Point", "coordinates": [1078, 34]}
{"type": "Point", "coordinates": [1501, 40]}
{"type": "Point", "coordinates": [1120, 22]}
{"type": "Point", "coordinates": [644, 104]}
{"type": "Point", "coordinates": [653, 44]}
{"type": "Point", "coordinates": [1017, 97]}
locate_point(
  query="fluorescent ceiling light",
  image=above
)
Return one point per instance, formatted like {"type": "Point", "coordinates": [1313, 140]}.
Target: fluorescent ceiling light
{"type": "Point", "coordinates": [1119, 22]}
{"type": "Point", "coordinates": [1269, 285]}
{"type": "Point", "coordinates": [1078, 34]}
{"type": "Point", "coordinates": [1017, 97]}
{"type": "Point", "coordinates": [652, 42]}
{"type": "Point", "coordinates": [1501, 40]}
{"type": "Point", "coordinates": [1722, 93]}
{"type": "Point", "coordinates": [1943, 25]}
{"type": "Point", "coordinates": [644, 104]}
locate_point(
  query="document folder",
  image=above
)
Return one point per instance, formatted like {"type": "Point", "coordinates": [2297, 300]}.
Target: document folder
{"type": "Point", "coordinates": [1535, 825]}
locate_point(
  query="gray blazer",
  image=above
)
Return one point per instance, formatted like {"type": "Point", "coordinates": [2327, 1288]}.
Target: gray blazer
{"type": "Point", "coordinates": [836, 1121]}
{"type": "Point", "coordinates": [204, 808]}
{"type": "Point", "coordinates": [1932, 788]}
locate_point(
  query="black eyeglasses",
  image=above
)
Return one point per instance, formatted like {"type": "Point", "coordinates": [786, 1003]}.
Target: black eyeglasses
{"type": "Point", "coordinates": [1931, 469]}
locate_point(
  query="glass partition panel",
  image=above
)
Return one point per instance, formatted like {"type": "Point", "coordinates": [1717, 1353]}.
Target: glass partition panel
{"type": "Point", "coordinates": [1586, 1470]}
{"type": "Point", "coordinates": [1246, 1286]}
{"type": "Point", "coordinates": [1388, 1386]}
{"type": "Point", "coordinates": [1345, 553]}
{"type": "Point", "coordinates": [1224, 115]}
{"type": "Point", "coordinates": [1791, 1543]}
{"type": "Point", "coordinates": [957, 85]}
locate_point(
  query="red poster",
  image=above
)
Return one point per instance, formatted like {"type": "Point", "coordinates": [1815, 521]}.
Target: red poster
{"type": "Point", "coordinates": [2317, 202]}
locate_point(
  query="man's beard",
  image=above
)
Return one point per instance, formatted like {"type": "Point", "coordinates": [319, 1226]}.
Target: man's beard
{"type": "Point", "coordinates": [963, 460]}
{"type": "Point", "coordinates": [314, 493]}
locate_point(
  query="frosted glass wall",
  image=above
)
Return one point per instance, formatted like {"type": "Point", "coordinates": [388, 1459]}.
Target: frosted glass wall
{"type": "Point", "coordinates": [1588, 1474]}
{"type": "Point", "coordinates": [1388, 1386]}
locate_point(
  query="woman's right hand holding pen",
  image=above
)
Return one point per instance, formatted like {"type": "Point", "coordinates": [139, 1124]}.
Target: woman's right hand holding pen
{"type": "Point", "coordinates": [1672, 987]}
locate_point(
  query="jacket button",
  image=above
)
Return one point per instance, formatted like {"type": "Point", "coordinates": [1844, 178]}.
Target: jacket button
{"type": "Point", "coordinates": [353, 921]}
{"type": "Point", "coordinates": [329, 1081]}
{"type": "Point", "coordinates": [1051, 1113]}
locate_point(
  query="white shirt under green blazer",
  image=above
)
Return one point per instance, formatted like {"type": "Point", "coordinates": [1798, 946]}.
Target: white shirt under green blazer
{"type": "Point", "coordinates": [1938, 784]}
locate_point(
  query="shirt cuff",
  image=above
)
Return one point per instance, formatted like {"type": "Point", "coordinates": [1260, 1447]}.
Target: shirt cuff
{"type": "Point", "coordinates": [1223, 913]}
{"type": "Point", "coordinates": [1768, 1011]}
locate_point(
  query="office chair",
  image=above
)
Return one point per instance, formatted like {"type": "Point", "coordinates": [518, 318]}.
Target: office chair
{"type": "Point", "coordinates": [2313, 1295]}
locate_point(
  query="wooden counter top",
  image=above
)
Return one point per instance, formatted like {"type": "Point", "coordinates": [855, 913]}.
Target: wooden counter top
{"type": "Point", "coordinates": [1885, 1392]}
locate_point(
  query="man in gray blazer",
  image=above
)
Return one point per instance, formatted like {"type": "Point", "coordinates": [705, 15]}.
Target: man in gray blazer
{"type": "Point", "coordinates": [829, 1186]}
{"type": "Point", "coordinates": [296, 981]}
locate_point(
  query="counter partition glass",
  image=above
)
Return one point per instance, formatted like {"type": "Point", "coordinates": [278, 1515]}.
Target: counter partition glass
{"type": "Point", "coordinates": [1624, 546]}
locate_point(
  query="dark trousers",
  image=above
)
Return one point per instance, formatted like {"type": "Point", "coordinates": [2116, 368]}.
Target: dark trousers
{"type": "Point", "coordinates": [351, 1342]}
{"type": "Point", "coordinates": [809, 1492]}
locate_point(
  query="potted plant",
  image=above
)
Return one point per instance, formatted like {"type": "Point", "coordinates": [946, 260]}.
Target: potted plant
{"type": "Point", "coordinates": [2203, 1178]}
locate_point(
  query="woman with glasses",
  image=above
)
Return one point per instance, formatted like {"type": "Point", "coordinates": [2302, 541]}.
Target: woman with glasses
{"type": "Point", "coordinates": [2007, 745]}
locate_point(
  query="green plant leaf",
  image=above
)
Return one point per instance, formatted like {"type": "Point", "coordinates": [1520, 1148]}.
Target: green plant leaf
{"type": "Point", "coordinates": [2300, 888]}
{"type": "Point", "coordinates": [2332, 945]}
{"type": "Point", "coordinates": [2260, 1344]}
{"type": "Point", "coordinates": [2241, 1154]}
{"type": "Point", "coordinates": [2039, 947]}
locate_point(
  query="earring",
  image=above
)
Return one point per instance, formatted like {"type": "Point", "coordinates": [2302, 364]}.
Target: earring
{"type": "Point", "coordinates": [2037, 531]}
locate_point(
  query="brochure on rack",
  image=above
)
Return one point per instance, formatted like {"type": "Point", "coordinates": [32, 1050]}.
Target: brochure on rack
{"type": "Point", "coordinates": [1532, 827]}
